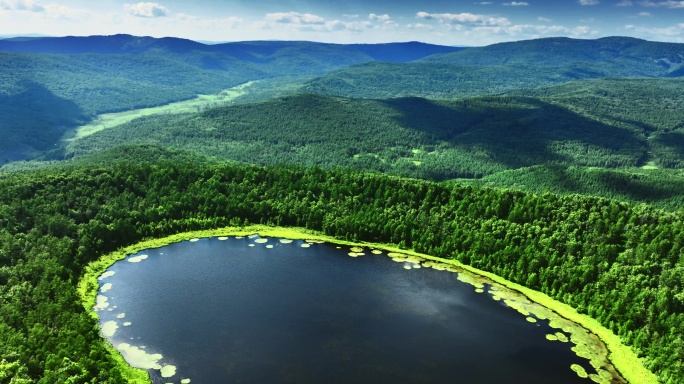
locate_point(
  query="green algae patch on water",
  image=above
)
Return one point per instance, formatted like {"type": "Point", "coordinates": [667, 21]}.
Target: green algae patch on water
{"type": "Point", "coordinates": [621, 356]}
{"type": "Point", "coordinates": [286, 241]}
{"type": "Point", "coordinates": [579, 370]}
{"type": "Point", "coordinates": [109, 328]}
{"type": "Point", "coordinates": [305, 245]}
{"type": "Point", "coordinates": [137, 259]}
{"type": "Point", "coordinates": [261, 241]}
{"type": "Point", "coordinates": [168, 371]}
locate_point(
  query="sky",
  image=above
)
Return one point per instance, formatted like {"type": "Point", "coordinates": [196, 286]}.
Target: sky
{"type": "Point", "coordinates": [446, 22]}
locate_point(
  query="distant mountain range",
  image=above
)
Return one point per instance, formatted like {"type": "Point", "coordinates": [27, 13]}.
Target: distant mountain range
{"type": "Point", "coordinates": [50, 84]}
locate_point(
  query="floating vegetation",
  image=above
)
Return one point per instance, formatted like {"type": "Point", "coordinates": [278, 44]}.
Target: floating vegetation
{"type": "Point", "coordinates": [408, 266]}
{"type": "Point", "coordinates": [185, 381]}
{"type": "Point", "coordinates": [109, 328]}
{"type": "Point", "coordinates": [355, 254]}
{"type": "Point", "coordinates": [551, 337]}
{"type": "Point", "coordinates": [269, 246]}
{"type": "Point", "coordinates": [261, 241]}
{"type": "Point", "coordinates": [252, 236]}
{"type": "Point", "coordinates": [251, 245]}
{"type": "Point", "coordinates": [120, 315]}
{"type": "Point", "coordinates": [127, 324]}
{"type": "Point", "coordinates": [561, 337]}
{"type": "Point", "coordinates": [579, 370]}
{"type": "Point", "coordinates": [305, 245]}
{"type": "Point", "coordinates": [285, 241]}
{"type": "Point", "coordinates": [138, 358]}
{"type": "Point", "coordinates": [314, 241]}
{"type": "Point", "coordinates": [168, 371]}
{"type": "Point", "coordinates": [223, 238]}
{"type": "Point", "coordinates": [416, 266]}
{"type": "Point", "coordinates": [106, 287]}
{"type": "Point", "coordinates": [194, 239]}
{"type": "Point", "coordinates": [101, 303]}
{"type": "Point", "coordinates": [239, 237]}
{"type": "Point", "coordinates": [137, 259]}
{"type": "Point", "coordinates": [356, 249]}
{"type": "Point", "coordinates": [531, 319]}
{"type": "Point", "coordinates": [376, 252]}
{"type": "Point", "coordinates": [470, 279]}
{"type": "Point", "coordinates": [106, 275]}
{"type": "Point", "coordinates": [479, 290]}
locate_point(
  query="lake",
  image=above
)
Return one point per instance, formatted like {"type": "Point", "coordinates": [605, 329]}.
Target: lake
{"type": "Point", "coordinates": [253, 310]}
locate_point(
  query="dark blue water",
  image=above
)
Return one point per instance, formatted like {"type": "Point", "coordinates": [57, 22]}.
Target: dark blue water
{"type": "Point", "coordinates": [225, 312]}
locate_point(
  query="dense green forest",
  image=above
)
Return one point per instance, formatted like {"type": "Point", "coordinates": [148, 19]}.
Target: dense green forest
{"type": "Point", "coordinates": [617, 262]}
{"type": "Point", "coordinates": [48, 85]}
{"type": "Point", "coordinates": [410, 137]}
{"type": "Point", "coordinates": [658, 187]}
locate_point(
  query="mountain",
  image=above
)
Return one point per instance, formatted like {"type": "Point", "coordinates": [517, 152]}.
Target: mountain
{"type": "Point", "coordinates": [49, 84]}
{"type": "Point", "coordinates": [607, 57]}
{"type": "Point", "coordinates": [504, 67]}
{"type": "Point", "coordinates": [409, 136]}
{"type": "Point", "coordinates": [252, 51]}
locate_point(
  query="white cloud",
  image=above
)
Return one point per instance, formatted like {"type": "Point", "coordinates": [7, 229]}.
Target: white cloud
{"type": "Point", "coordinates": [516, 4]}
{"type": "Point", "coordinates": [484, 3]}
{"type": "Point", "coordinates": [384, 17]}
{"type": "Point", "coordinates": [294, 18]}
{"type": "Point", "coordinates": [22, 5]}
{"type": "Point", "coordinates": [673, 33]}
{"type": "Point", "coordinates": [62, 12]}
{"type": "Point", "coordinates": [644, 14]}
{"type": "Point", "coordinates": [468, 19]}
{"type": "Point", "coordinates": [146, 10]}
{"type": "Point", "coordinates": [544, 19]}
{"type": "Point", "coordinates": [624, 3]}
{"type": "Point", "coordinates": [588, 2]}
{"type": "Point", "coordinates": [420, 26]}
{"type": "Point", "coordinates": [663, 4]}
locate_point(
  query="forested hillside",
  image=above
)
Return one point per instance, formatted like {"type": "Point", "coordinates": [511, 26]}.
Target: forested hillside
{"type": "Point", "coordinates": [619, 263]}
{"type": "Point", "coordinates": [48, 85]}
{"type": "Point", "coordinates": [605, 57]}
{"type": "Point", "coordinates": [410, 137]}
{"type": "Point", "coordinates": [505, 67]}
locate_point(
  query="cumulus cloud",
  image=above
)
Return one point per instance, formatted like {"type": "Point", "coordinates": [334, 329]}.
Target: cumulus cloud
{"type": "Point", "coordinates": [420, 26]}
{"type": "Point", "coordinates": [544, 19]}
{"type": "Point", "coordinates": [663, 4]}
{"type": "Point", "coordinates": [516, 4]}
{"type": "Point", "coordinates": [588, 2]}
{"type": "Point", "coordinates": [147, 10]}
{"type": "Point", "coordinates": [466, 19]}
{"type": "Point", "coordinates": [22, 5]}
{"type": "Point", "coordinates": [672, 33]}
{"type": "Point", "coordinates": [294, 18]}
{"type": "Point", "coordinates": [384, 17]}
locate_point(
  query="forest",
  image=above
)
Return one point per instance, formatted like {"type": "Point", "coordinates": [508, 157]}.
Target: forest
{"type": "Point", "coordinates": [618, 262]}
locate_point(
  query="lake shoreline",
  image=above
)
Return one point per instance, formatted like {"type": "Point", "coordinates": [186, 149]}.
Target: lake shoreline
{"type": "Point", "coordinates": [621, 357]}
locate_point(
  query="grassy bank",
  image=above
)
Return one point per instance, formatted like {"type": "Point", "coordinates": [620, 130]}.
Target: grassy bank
{"type": "Point", "coordinates": [111, 120]}
{"type": "Point", "coordinates": [622, 357]}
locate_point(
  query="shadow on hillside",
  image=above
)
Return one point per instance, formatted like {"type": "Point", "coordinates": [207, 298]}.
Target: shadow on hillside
{"type": "Point", "coordinates": [520, 132]}
{"type": "Point", "coordinates": [673, 140]}
{"type": "Point", "coordinates": [34, 120]}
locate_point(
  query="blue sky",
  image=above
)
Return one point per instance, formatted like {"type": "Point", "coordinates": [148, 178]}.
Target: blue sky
{"type": "Point", "coordinates": [449, 22]}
